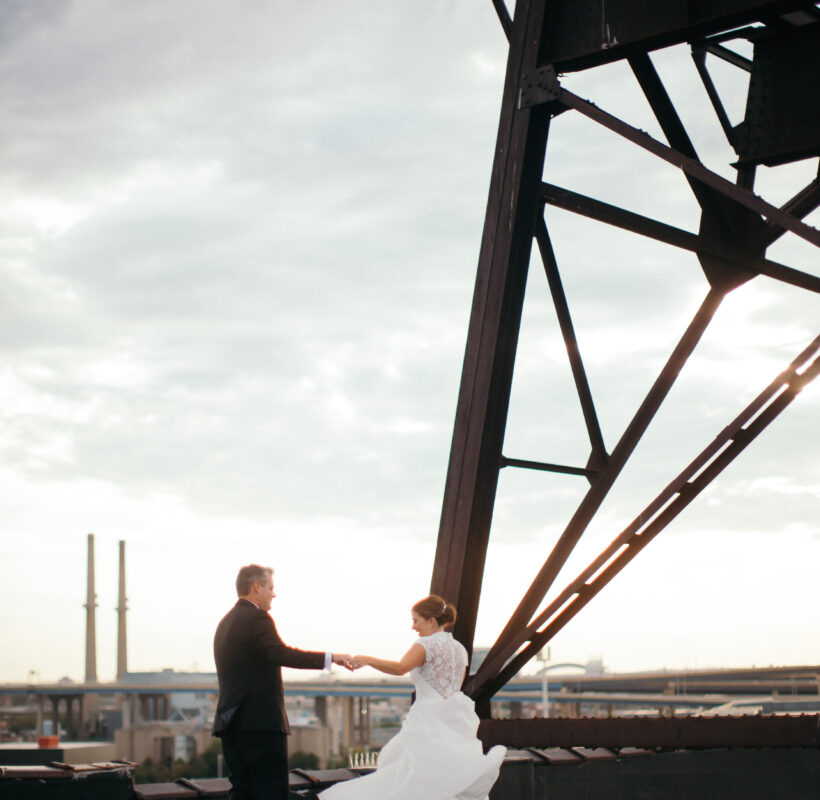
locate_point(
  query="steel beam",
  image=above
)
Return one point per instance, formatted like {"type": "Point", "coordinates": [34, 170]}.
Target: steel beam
{"type": "Point", "coordinates": [803, 203]}
{"type": "Point", "coordinates": [598, 456]}
{"type": "Point", "coordinates": [699, 57]}
{"type": "Point", "coordinates": [503, 17]}
{"type": "Point", "coordinates": [725, 54]}
{"type": "Point", "coordinates": [587, 33]}
{"type": "Point", "coordinates": [540, 465]}
{"type": "Point", "coordinates": [669, 234]}
{"type": "Point", "coordinates": [492, 338]}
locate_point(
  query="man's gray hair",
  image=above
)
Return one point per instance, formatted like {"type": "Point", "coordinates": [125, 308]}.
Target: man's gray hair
{"type": "Point", "coordinates": [249, 575]}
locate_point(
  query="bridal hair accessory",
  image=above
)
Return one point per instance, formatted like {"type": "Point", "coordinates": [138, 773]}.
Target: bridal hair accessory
{"type": "Point", "coordinates": [444, 608]}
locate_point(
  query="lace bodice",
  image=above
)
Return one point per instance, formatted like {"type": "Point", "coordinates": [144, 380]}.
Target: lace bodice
{"type": "Point", "coordinates": [445, 663]}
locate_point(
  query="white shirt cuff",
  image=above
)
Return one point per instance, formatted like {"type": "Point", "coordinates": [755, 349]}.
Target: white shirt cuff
{"type": "Point", "coordinates": [328, 660]}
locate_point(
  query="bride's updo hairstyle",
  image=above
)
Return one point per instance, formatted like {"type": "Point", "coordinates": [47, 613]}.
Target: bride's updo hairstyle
{"type": "Point", "coordinates": [435, 607]}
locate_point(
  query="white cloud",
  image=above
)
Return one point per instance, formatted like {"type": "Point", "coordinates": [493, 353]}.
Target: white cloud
{"type": "Point", "coordinates": [783, 484]}
{"type": "Point", "coordinates": [237, 260]}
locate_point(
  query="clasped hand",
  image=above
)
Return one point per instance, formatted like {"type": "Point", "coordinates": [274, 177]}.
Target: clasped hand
{"type": "Point", "coordinates": [349, 662]}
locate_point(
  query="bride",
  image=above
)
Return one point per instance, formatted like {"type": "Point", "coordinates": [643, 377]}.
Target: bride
{"type": "Point", "coordinates": [436, 754]}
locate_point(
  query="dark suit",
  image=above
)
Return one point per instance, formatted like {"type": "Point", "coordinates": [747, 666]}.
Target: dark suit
{"type": "Point", "coordinates": [250, 711]}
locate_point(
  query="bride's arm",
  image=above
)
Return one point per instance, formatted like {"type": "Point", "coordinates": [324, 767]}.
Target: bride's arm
{"type": "Point", "coordinates": [413, 658]}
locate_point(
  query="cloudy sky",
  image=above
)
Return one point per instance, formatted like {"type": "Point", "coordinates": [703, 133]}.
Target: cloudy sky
{"type": "Point", "coordinates": [237, 255]}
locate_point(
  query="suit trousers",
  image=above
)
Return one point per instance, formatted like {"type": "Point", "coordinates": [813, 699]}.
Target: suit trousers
{"type": "Point", "coordinates": [258, 764]}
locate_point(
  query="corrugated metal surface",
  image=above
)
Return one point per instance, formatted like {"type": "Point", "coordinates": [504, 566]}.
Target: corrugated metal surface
{"type": "Point", "coordinates": [601, 773]}
{"type": "Point", "coordinates": [696, 732]}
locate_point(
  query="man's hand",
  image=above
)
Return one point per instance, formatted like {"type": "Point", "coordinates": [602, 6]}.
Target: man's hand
{"type": "Point", "coordinates": [343, 660]}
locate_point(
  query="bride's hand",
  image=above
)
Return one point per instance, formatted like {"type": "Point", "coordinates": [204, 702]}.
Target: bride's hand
{"type": "Point", "coordinates": [359, 661]}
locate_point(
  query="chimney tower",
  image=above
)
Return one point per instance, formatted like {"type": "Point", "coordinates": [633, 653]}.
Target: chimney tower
{"type": "Point", "coordinates": [90, 619]}
{"type": "Point", "coordinates": [122, 647]}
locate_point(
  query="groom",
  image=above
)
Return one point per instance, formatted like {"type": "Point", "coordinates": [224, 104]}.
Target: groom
{"type": "Point", "coordinates": [250, 712]}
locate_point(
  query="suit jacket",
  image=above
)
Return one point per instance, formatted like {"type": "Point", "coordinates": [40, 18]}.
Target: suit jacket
{"type": "Point", "coordinates": [249, 658]}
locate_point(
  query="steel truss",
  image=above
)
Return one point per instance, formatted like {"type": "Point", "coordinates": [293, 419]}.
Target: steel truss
{"type": "Point", "coordinates": [548, 38]}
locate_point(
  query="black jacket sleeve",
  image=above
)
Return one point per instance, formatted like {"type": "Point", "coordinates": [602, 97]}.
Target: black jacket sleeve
{"type": "Point", "coordinates": [268, 643]}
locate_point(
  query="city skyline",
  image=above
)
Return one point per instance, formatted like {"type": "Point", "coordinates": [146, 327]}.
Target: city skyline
{"type": "Point", "coordinates": [238, 255]}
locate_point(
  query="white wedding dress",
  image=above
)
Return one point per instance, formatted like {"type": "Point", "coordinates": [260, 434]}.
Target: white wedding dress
{"type": "Point", "coordinates": [436, 754]}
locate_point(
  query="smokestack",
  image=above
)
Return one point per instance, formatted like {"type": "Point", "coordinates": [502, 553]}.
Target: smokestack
{"type": "Point", "coordinates": [122, 647]}
{"type": "Point", "coordinates": [90, 619]}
